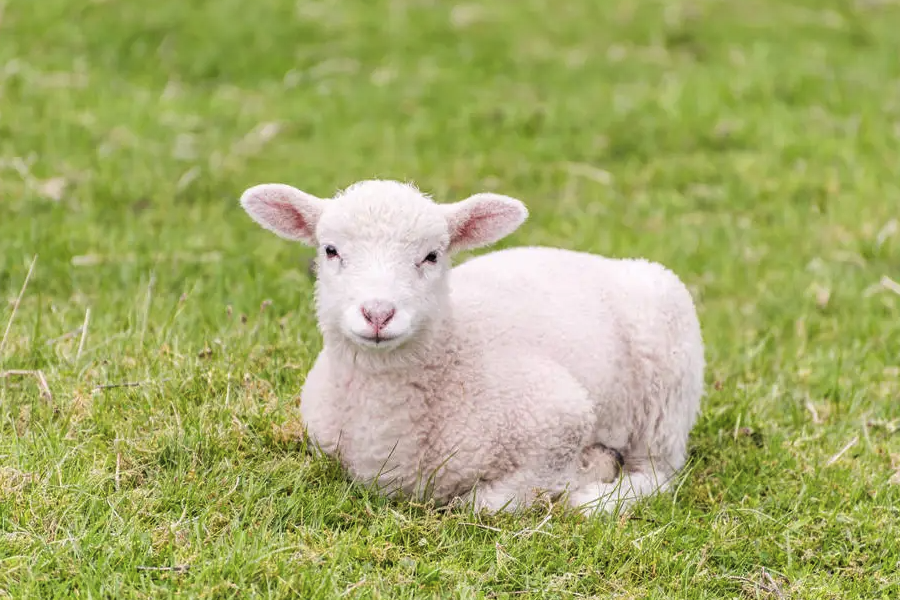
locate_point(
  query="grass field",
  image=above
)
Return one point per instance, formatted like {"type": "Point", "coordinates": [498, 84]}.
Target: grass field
{"type": "Point", "coordinates": [750, 146]}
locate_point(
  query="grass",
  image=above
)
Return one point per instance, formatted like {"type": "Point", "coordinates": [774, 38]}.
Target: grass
{"type": "Point", "coordinates": [751, 146]}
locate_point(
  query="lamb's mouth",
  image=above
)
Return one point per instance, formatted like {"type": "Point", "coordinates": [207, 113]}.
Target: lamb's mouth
{"type": "Point", "coordinates": [376, 340]}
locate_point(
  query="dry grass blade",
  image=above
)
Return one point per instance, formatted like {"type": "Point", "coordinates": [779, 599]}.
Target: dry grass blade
{"type": "Point", "coordinates": [889, 284]}
{"type": "Point", "coordinates": [175, 569]}
{"type": "Point", "coordinates": [110, 386]}
{"type": "Point", "coordinates": [118, 470]}
{"type": "Point", "coordinates": [15, 307]}
{"type": "Point", "coordinates": [354, 586]}
{"type": "Point", "coordinates": [772, 584]}
{"type": "Point", "coordinates": [147, 303]}
{"type": "Point", "coordinates": [842, 451]}
{"type": "Point", "coordinates": [767, 585]}
{"type": "Point", "coordinates": [890, 228]}
{"type": "Point", "coordinates": [63, 337]}
{"type": "Point", "coordinates": [814, 413]}
{"type": "Point", "coordinates": [84, 331]}
{"type": "Point", "coordinates": [529, 532]}
{"type": "Point", "coordinates": [39, 375]}
{"type": "Point", "coordinates": [480, 526]}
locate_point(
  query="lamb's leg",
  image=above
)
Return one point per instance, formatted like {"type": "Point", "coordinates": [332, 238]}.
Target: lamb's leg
{"type": "Point", "coordinates": [514, 492]}
{"type": "Point", "coordinates": [600, 496]}
{"type": "Point", "coordinates": [554, 420]}
{"type": "Point", "coordinates": [517, 491]}
{"type": "Point", "coordinates": [654, 455]}
{"type": "Point", "coordinates": [641, 474]}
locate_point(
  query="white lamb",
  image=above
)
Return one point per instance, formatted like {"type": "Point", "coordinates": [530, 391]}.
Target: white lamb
{"type": "Point", "coordinates": [519, 373]}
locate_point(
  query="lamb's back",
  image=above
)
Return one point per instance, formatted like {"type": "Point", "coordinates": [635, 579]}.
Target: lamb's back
{"type": "Point", "coordinates": [613, 322]}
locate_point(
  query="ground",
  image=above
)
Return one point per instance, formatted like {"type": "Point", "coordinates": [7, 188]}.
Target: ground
{"type": "Point", "coordinates": [750, 146]}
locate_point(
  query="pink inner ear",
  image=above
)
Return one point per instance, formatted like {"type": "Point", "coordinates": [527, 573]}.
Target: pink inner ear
{"type": "Point", "coordinates": [297, 220]}
{"type": "Point", "coordinates": [285, 217]}
{"type": "Point", "coordinates": [466, 229]}
{"type": "Point", "coordinates": [483, 223]}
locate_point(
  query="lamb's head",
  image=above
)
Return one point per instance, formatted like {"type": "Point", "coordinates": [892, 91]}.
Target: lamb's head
{"type": "Point", "coordinates": [384, 251]}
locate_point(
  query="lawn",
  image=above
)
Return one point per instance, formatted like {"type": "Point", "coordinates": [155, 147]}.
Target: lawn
{"type": "Point", "coordinates": [750, 146]}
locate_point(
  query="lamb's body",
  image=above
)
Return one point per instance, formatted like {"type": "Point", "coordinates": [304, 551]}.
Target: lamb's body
{"type": "Point", "coordinates": [518, 372]}
{"type": "Point", "coordinates": [543, 355]}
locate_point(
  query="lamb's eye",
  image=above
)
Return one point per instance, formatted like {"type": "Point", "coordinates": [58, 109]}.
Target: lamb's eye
{"type": "Point", "coordinates": [331, 251]}
{"type": "Point", "coordinates": [431, 258]}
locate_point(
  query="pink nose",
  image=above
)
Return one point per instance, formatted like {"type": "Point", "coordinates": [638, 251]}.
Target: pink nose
{"type": "Point", "coordinates": [378, 313]}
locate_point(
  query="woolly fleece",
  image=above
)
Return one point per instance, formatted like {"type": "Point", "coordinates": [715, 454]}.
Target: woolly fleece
{"type": "Point", "coordinates": [518, 373]}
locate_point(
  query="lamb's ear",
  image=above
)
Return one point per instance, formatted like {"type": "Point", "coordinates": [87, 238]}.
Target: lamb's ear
{"type": "Point", "coordinates": [483, 219]}
{"type": "Point", "coordinates": [284, 210]}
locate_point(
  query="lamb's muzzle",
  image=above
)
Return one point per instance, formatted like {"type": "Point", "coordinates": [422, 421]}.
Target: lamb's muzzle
{"type": "Point", "coordinates": [378, 314]}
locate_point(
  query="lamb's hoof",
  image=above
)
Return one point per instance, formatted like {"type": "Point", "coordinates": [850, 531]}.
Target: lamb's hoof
{"type": "Point", "coordinates": [604, 462]}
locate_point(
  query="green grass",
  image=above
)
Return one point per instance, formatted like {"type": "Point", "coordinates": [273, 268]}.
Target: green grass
{"type": "Point", "coordinates": [750, 146]}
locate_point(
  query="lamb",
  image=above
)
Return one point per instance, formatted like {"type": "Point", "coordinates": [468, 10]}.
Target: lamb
{"type": "Point", "coordinates": [521, 373]}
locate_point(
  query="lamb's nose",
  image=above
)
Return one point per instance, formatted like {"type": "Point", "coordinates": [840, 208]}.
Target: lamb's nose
{"type": "Point", "coordinates": [378, 313]}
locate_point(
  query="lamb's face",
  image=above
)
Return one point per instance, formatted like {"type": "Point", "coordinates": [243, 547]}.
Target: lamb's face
{"type": "Point", "coordinates": [382, 265]}
{"type": "Point", "coordinates": [383, 251]}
